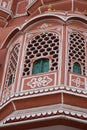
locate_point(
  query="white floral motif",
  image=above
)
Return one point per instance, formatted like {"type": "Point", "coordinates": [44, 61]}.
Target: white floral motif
{"type": "Point", "coordinates": [44, 26]}
{"type": "Point", "coordinates": [78, 82]}
{"type": "Point", "coordinates": [39, 81]}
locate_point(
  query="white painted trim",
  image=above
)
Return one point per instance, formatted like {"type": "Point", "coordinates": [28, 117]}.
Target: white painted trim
{"type": "Point", "coordinates": [21, 64]}
{"type": "Point", "coordinates": [42, 2]}
{"type": "Point", "coordinates": [66, 57]}
{"type": "Point", "coordinates": [7, 11]}
{"type": "Point", "coordinates": [5, 67]}
{"type": "Point", "coordinates": [47, 91]}
{"type": "Point", "coordinates": [72, 6]}
{"type": "Point", "coordinates": [78, 76]}
{"type": "Point", "coordinates": [29, 5]}
{"type": "Point", "coordinates": [18, 4]}
{"type": "Point", "coordinates": [56, 110]}
{"type": "Point", "coordinates": [20, 15]}
{"type": "Point", "coordinates": [14, 106]}
{"type": "Point", "coordinates": [10, 47]}
{"type": "Point", "coordinates": [44, 74]}
{"type": "Point", "coordinates": [47, 118]}
{"type": "Point", "coordinates": [51, 29]}
{"type": "Point", "coordinates": [60, 57]}
{"type": "Point", "coordinates": [10, 4]}
{"type": "Point", "coordinates": [8, 36]}
{"type": "Point", "coordinates": [19, 42]}
{"type": "Point", "coordinates": [57, 15]}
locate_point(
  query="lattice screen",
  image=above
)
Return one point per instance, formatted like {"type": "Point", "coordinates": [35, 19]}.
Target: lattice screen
{"type": "Point", "coordinates": [44, 44]}
{"type": "Point", "coordinates": [12, 65]}
{"type": "Point", "coordinates": [77, 50]}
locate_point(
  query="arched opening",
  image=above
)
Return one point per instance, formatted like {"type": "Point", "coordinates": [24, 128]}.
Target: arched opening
{"type": "Point", "coordinates": [43, 45]}
{"type": "Point", "coordinates": [12, 65]}
{"type": "Point", "coordinates": [41, 66]}
{"type": "Point", "coordinates": [77, 68]}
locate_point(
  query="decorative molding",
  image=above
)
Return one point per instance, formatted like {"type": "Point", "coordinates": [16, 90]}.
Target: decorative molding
{"type": "Point", "coordinates": [28, 36]}
{"type": "Point", "coordinates": [78, 82]}
{"type": "Point", "coordinates": [9, 12]}
{"type": "Point", "coordinates": [45, 91]}
{"type": "Point", "coordinates": [30, 3]}
{"type": "Point", "coordinates": [39, 82]}
{"type": "Point", "coordinates": [44, 26]}
{"type": "Point", "coordinates": [45, 112]}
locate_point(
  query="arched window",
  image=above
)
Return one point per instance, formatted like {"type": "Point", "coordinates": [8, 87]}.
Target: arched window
{"type": "Point", "coordinates": [41, 66]}
{"type": "Point", "coordinates": [77, 68]}
{"type": "Point", "coordinates": [77, 51]}
{"type": "Point", "coordinates": [12, 65]}
{"type": "Point", "coordinates": [42, 45]}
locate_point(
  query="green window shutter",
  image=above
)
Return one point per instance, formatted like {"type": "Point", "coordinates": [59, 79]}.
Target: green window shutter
{"type": "Point", "coordinates": [77, 68]}
{"type": "Point", "coordinates": [37, 67]}
{"type": "Point", "coordinates": [41, 66]}
{"type": "Point", "coordinates": [45, 65]}
{"type": "Point", "coordinates": [10, 80]}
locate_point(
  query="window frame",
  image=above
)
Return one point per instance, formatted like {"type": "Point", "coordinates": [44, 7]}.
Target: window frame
{"type": "Point", "coordinates": [79, 66]}
{"type": "Point", "coordinates": [43, 58]}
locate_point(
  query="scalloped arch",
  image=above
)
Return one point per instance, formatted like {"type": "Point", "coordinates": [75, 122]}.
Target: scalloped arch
{"type": "Point", "coordinates": [53, 16]}
{"type": "Point", "coordinates": [39, 18]}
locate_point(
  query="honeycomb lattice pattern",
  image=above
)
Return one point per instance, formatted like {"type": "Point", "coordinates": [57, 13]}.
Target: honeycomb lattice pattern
{"type": "Point", "coordinates": [42, 45]}
{"type": "Point", "coordinates": [12, 65]}
{"type": "Point", "coordinates": [77, 50]}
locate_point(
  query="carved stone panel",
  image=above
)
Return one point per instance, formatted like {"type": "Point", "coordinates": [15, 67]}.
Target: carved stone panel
{"type": "Point", "coordinates": [77, 81]}
{"type": "Point", "coordinates": [38, 81]}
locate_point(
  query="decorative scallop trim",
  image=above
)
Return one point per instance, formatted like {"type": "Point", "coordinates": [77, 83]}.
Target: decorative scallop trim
{"type": "Point", "coordinates": [45, 114]}
{"type": "Point", "coordinates": [45, 91]}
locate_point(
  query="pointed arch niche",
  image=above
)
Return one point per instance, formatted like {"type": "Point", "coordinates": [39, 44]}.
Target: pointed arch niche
{"type": "Point", "coordinates": [77, 52]}
{"type": "Point", "coordinates": [42, 41]}
{"type": "Point", "coordinates": [12, 65]}
{"type": "Point", "coordinates": [10, 70]}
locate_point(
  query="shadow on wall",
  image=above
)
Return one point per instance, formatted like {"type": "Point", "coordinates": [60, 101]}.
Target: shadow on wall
{"type": "Point", "coordinates": [58, 127]}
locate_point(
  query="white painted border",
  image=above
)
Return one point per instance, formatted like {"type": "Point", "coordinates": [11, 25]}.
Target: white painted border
{"type": "Point", "coordinates": [10, 47]}
{"type": "Point", "coordinates": [46, 91]}
{"type": "Point", "coordinates": [18, 7]}
{"type": "Point", "coordinates": [68, 112]}
{"type": "Point", "coordinates": [79, 76]}
{"type": "Point", "coordinates": [44, 74]}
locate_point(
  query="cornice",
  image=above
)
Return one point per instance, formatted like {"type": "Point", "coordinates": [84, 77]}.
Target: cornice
{"type": "Point", "coordinates": [45, 91]}
{"type": "Point", "coordinates": [64, 16]}
{"type": "Point", "coordinates": [44, 113]}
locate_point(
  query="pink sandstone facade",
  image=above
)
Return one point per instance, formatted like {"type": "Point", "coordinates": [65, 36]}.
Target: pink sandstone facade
{"type": "Point", "coordinates": [43, 64]}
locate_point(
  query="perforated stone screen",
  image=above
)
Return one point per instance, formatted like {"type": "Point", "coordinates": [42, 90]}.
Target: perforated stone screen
{"type": "Point", "coordinates": [43, 45]}
{"type": "Point", "coordinates": [77, 51]}
{"type": "Point", "coordinates": [12, 65]}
